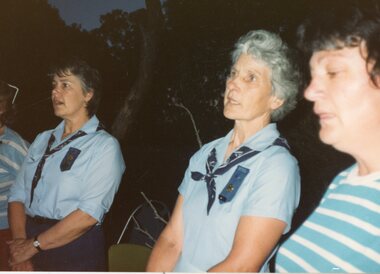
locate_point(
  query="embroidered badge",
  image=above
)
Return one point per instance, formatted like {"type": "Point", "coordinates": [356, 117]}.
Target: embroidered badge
{"type": "Point", "coordinates": [233, 184]}
{"type": "Point", "coordinates": [69, 158]}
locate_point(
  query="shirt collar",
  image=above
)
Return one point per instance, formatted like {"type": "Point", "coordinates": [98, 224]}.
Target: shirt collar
{"type": "Point", "coordinates": [259, 141]}
{"type": "Point", "coordinates": [89, 127]}
{"type": "Point", "coordinates": [352, 176]}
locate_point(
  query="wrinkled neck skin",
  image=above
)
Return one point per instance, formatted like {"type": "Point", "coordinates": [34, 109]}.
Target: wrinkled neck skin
{"type": "Point", "coordinates": [242, 131]}
{"type": "Point", "coordinates": [72, 125]}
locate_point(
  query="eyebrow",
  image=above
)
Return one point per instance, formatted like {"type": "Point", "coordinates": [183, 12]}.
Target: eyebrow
{"type": "Point", "coordinates": [334, 55]}
{"type": "Point", "coordinates": [62, 79]}
{"type": "Point", "coordinates": [250, 70]}
{"type": "Point", "coordinates": [255, 71]}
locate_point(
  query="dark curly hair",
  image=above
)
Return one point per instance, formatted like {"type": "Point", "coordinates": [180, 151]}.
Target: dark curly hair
{"type": "Point", "coordinates": [346, 26]}
{"type": "Point", "coordinates": [89, 77]}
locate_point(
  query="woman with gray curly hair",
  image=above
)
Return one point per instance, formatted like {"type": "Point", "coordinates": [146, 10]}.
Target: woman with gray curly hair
{"type": "Point", "coordinates": [239, 192]}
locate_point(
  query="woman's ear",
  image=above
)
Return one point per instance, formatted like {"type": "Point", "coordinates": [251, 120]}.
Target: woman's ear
{"type": "Point", "coordinates": [276, 102]}
{"type": "Point", "coordinates": [88, 95]}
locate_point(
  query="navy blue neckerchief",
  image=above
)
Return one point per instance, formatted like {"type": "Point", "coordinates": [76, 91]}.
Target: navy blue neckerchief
{"type": "Point", "coordinates": [242, 154]}
{"type": "Point", "coordinates": [49, 151]}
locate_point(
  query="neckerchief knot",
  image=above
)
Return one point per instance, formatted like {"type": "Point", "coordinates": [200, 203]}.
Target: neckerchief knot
{"type": "Point", "coordinates": [240, 155]}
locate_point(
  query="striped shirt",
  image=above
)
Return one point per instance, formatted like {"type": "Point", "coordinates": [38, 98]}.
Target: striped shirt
{"type": "Point", "coordinates": [13, 150]}
{"type": "Point", "coordinates": [342, 234]}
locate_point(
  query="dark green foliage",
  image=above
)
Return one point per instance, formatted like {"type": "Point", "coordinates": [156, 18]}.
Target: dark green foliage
{"type": "Point", "coordinates": [33, 38]}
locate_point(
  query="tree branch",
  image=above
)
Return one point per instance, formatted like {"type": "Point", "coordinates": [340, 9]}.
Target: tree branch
{"type": "Point", "coordinates": [156, 214]}
{"type": "Point", "coordinates": [196, 131]}
{"type": "Point", "coordinates": [143, 231]}
{"type": "Point", "coordinates": [150, 30]}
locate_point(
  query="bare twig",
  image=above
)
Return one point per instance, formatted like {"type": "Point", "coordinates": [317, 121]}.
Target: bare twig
{"type": "Point", "coordinates": [148, 245]}
{"type": "Point", "coordinates": [133, 213]}
{"type": "Point", "coordinates": [180, 105]}
{"type": "Point", "coordinates": [156, 214]}
{"type": "Point", "coordinates": [143, 231]}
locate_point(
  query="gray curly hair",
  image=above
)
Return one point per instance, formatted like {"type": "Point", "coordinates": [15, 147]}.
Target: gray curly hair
{"type": "Point", "coordinates": [269, 48]}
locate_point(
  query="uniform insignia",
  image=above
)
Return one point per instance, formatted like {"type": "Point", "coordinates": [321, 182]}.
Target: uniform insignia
{"type": "Point", "coordinates": [233, 185]}
{"type": "Point", "coordinates": [69, 159]}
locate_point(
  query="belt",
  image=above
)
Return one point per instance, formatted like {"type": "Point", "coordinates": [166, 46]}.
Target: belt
{"type": "Point", "coordinates": [42, 220]}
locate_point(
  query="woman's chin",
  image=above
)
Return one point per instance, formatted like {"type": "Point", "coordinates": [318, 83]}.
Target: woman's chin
{"type": "Point", "coordinates": [230, 115]}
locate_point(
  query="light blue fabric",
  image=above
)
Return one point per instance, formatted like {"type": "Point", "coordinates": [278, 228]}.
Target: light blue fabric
{"type": "Point", "coordinates": [13, 150]}
{"type": "Point", "coordinates": [89, 185]}
{"type": "Point", "coordinates": [342, 234]}
{"type": "Point", "coordinates": [271, 189]}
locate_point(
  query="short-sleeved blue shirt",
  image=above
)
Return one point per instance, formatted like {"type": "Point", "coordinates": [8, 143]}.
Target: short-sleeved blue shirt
{"type": "Point", "coordinates": [271, 189]}
{"type": "Point", "coordinates": [89, 184]}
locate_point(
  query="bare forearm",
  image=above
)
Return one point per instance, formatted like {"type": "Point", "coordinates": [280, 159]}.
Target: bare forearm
{"type": "Point", "coordinates": [62, 233]}
{"type": "Point", "coordinates": [164, 256]}
{"type": "Point", "coordinates": [168, 247]}
{"type": "Point", "coordinates": [17, 220]}
{"type": "Point", "coordinates": [255, 239]}
{"type": "Point", "coordinates": [231, 266]}
{"type": "Point", "coordinates": [67, 230]}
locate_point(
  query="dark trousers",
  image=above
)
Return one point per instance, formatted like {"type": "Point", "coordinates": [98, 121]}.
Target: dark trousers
{"type": "Point", "coordinates": [87, 253]}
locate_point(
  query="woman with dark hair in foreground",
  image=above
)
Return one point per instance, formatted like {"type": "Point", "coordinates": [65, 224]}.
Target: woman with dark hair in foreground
{"type": "Point", "coordinates": [67, 182]}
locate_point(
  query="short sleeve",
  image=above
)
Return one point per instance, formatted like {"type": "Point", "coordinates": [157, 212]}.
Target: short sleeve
{"type": "Point", "coordinates": [102, 178]}
{"type": "Point", "coordinates": [17, 190]}
{"type": "Point", "coordinates": [275, 193]}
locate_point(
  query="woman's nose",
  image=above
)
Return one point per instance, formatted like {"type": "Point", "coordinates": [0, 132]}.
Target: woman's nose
{"type": "Point", "coordinates": [231, 82]}
{"type": "Point", "coordinates": [313, 91]}
{"type": "Point", "coordinates": [230, 88]}
{"type": "Point", "coordinates": [55, 90]}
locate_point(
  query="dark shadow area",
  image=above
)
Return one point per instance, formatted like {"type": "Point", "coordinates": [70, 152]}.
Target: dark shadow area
{"type": "Point", "coordinates": [192, 60]}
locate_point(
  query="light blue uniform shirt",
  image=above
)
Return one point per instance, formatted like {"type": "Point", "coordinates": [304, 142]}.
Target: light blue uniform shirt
{"type": "Point", "coordinates": [89, 185]}
{"type": "Point", "coordinates": [271, 189]}
{"type": "Point", "coordinates": [13, 150]}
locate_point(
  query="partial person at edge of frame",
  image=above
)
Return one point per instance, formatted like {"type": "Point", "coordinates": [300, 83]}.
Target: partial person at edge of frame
{"type": "Point", "coordinates": [13, 149]}
{"type": "Point", "coordinates": [342, 234]}
{"type": "Point", "coordinates": [239, 192]}
{"type": "Point", "coordinates": [67, 182]}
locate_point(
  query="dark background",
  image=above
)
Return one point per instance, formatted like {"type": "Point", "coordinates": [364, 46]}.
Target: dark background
{"type": "Point", "coordinates": [192, 58]}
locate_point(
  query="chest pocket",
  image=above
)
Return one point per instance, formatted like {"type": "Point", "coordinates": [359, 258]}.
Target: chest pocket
{"type": "Point", "coordinates": [69, 159]}
{"type": "Point", "coordinates": [233, 185]}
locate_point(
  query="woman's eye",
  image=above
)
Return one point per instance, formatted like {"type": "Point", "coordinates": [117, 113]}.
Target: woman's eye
{"type": "Point", "coordinates": [251, 78]}
{"type": "Point", "coordinates": [232, 74]}
{"type": "Point", "coordinates": [65, 85]}
{"type": "Point", "coordinates": [334, 71]}
{"type": "Point", "coordinates": [332, 74]}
